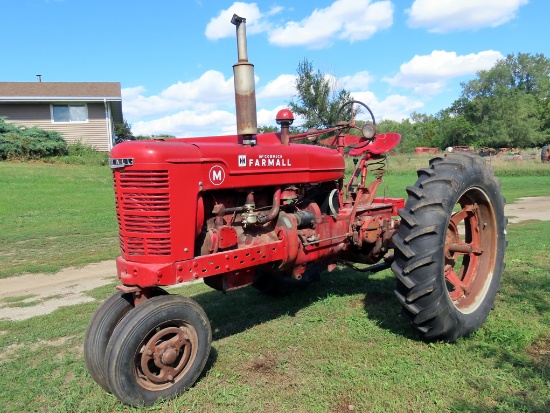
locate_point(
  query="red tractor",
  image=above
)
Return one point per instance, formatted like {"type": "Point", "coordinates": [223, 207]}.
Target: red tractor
{"type": "Point", "coordinates": [263, 210]}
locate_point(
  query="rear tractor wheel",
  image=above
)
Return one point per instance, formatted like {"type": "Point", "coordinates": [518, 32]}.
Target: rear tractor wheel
{"type": "Point", "coordinates": [449, 249]}
{"type": "Point", "coordinates": [159, 351]}
{"type": "Point", "coordinates": [545, 154]}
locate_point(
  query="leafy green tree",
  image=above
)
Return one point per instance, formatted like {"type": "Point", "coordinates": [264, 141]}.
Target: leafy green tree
{"type": "Point", "coordinates": [419, 130]}
{"type": "Point", "coordinates": [123, 132]}
{"type": "Point", "coordinates": [508, 105]}
{"type": "Point", "coordinates": [456, 131]}
{"type": "Point", "coordinates": [266, 129]}
{"type": "Point", "coordinates": [318, 98]}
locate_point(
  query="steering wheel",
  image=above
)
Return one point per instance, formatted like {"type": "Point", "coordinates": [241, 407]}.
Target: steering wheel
{"type": "Point", "coordinates": [368, 129]}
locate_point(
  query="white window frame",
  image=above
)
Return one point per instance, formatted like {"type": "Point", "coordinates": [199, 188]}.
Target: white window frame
{"type": "Point", "coordinates": [69, 105]}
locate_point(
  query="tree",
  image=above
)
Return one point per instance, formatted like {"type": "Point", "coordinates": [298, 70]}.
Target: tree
{"type": "Point", "coordinates": [318, 99]}
{"type": "Point", "coordinates": [266, 129]}
{"type": "Point", "coordinates": [456, 130]}
{"type": "Point", "coordinates": [419, 130]}
{"type": "Point", "coordinates": [123, 132]}
{"type": "Point", "coordinates": [508, 105]}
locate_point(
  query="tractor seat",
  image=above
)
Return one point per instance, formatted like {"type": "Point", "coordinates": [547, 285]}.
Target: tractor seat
{"type": "Point", "coordinates": [381, 143]}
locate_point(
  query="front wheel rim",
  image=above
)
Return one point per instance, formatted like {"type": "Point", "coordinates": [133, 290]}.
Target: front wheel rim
{"type": "Point", "coordinates": [165, 355]}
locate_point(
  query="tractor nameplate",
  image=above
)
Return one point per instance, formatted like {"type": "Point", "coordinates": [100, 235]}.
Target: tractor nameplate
{"type": "Point", "coordinates": [120, 162]}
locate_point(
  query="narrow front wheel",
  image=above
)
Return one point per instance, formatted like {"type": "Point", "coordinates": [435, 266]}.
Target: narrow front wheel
{"type": "Point", "coordinates": [159, 351]}
{"type": "Point", "coordinates": [101, 327]}
{"type": "Point", "coordinates": [99, 331]}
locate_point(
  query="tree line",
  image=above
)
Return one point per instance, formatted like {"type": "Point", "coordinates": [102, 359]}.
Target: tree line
{"type": "Point", "coordinates": [505, 106]}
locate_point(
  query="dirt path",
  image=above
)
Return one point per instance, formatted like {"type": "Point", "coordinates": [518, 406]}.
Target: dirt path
{"type": "Point", "coordinates": [30, 295]}
{"type": "Point", "coordinates": [536, 207]}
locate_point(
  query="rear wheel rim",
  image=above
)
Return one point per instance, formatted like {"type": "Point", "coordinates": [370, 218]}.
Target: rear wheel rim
{"type": "Point", "coordinates": [469, 254]}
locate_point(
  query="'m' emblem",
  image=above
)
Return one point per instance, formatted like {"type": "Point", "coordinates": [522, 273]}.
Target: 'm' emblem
{"type": "Point", "coordinates": [216, 175]}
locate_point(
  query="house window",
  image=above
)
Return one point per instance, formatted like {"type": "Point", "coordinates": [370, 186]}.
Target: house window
{"type": "Point", "coordinates": [69, 113]}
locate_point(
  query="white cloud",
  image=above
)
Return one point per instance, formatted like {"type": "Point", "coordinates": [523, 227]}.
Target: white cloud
{"type": "Point", "coordinates": [359, 80]}
{"type": "Point", "coordinates": [429, 74]}
{"type": "Point", "coordinates": [188, 124]}
{"type": "Point", "coordinates": [398, 107]}
{"type": "Point", "coordinates": [195, 123]}
{"type": "Point", "coordinates": [350, 20]}
{"type": "Point", "coordinates": [210, 89]}
{"type": "Point", "coordinates": [219, 27]}
{"type": "Point", "coordinates": [443, 16]}
{"type": "Point", "coordinates": [267, 116]}
{"type": "Point", "coordinates": [393, 107]}
{"type": "Point", "coordinates": [281, 87]}
{"type": "Point", "coordinates": [205, 106]}
{"type": "Point", "coordinates": [132, 93]}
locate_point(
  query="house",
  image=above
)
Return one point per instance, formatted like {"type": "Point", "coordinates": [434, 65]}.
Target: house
{"type": "Point", "coordinates": [80, 111]}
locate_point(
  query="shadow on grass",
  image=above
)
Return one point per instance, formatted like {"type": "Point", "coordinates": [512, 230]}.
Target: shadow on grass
{"type": "Point", "coordinates": [240, 310]}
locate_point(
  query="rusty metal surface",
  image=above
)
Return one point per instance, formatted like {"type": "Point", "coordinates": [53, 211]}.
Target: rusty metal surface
{"type": "Point", "coordinates": [243, 74]}
{"type": "Point", "coordinates": [165, 356]}
{"type": "Point", "coordinates": [470, 236]}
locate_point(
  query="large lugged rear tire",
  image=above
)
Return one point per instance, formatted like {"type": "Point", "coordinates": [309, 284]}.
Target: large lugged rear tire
{"type": "Point", "coordinates": [545, 154]}
{"type": "Point", "coordinates": [449, 248]}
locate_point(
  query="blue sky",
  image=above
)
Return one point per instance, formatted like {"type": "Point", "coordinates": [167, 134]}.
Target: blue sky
{"type": "Point", "coordinates": [174, 58]}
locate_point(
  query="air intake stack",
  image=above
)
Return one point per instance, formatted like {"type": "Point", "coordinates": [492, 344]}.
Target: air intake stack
{"type": "Point", "coordinates": [245, 92]}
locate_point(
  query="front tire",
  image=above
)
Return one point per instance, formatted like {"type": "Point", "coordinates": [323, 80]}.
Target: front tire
{"type": "Point", "coordinates": [159, 351]}
{"type": "Point", "coordinates": [99, 331]}
{"type": "Point", "coordinates": [449, 248]}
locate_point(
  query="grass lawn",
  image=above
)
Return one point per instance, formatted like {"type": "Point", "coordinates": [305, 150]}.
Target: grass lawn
{"type": "Point", "coordinates": [55, 216]}
{"type": "Point", "coordinates": [339, 346]}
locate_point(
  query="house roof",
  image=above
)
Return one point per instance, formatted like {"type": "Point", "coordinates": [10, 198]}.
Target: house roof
{"type": "Point", "coordinates": [20, 92]}
{"type": "Point", "coordinates": [60, 89]}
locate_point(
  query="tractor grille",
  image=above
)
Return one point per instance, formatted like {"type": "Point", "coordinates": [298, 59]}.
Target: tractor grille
{"type": "Point", "coordinates": [143, 212]}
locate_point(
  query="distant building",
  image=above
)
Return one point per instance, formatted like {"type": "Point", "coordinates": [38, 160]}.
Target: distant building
{"type": "Point", "coordinates": [80, 111]}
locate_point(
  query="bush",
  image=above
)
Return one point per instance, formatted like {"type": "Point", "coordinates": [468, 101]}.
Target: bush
{"type": "Point", "coordinates": [79, 153]}
{"type": "Point", "coordinates": [20, 142]}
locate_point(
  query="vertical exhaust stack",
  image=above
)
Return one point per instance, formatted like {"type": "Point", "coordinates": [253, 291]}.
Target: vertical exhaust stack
{"type": "Point", "coordinates": [245, 92]}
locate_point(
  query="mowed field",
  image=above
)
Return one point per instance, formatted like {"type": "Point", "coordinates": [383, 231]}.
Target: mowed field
{"type": "Point", "coordinates": [339, 346]}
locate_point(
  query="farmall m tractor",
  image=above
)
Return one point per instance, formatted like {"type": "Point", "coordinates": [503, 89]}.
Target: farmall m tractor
{"type": "Point", "coordinates": [263, 210]}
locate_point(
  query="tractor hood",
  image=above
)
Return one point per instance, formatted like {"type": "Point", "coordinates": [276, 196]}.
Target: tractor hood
{"type": "Point", "coordinates": [226, 163]}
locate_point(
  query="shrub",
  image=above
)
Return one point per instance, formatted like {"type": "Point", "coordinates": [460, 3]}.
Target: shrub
{"type": "Point", "coordinates": [20, 142]}
{"type": "Point", "coordinates": [80, 153]}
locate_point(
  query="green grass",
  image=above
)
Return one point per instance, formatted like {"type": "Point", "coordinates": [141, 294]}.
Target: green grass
{"type": "Point", "coordinates": [341, 342]}
{"type": "Point", "coordinates": [57, 215]}
{"type": "Point", "coordinates": [54, 216]}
